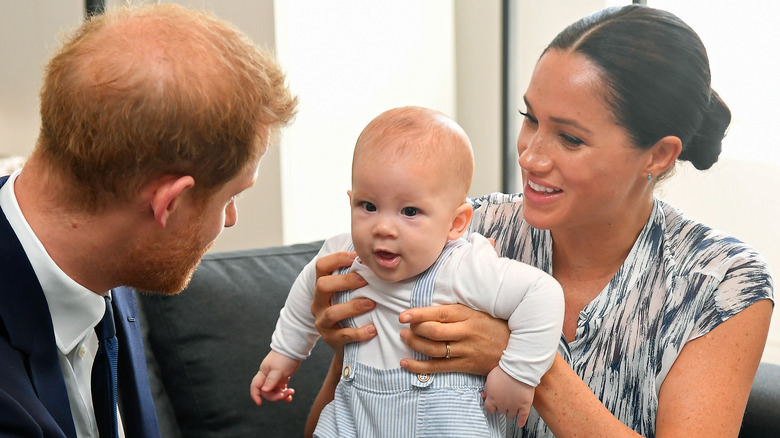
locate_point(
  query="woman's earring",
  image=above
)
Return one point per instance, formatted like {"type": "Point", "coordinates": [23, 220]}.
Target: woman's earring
{"type": "Point", "coordinates": [649, 176]}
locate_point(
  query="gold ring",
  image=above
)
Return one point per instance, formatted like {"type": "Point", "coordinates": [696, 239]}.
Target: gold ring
{"type": "Point", "coordinates": [449, 350]}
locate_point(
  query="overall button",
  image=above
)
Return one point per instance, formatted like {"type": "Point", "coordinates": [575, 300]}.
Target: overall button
{"type": "Point", "coordinates": [423, 377]}
{"type": "Point", "coordinates": [347, 371]}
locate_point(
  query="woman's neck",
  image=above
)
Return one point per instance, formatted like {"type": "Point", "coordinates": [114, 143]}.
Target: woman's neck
{"type": "Point", "coordinates": [599, 249]}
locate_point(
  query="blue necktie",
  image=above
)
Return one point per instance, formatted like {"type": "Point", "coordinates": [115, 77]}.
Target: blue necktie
{"type": "Point", "coordinates": [104, 389]}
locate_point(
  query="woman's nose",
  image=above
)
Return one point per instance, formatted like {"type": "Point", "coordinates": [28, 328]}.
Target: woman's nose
{"type": "Point", "coordinates": [533, 152]}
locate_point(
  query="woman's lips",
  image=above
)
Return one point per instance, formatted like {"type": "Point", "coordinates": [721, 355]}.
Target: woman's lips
{"type": "Point", "coordinates": [541, 188]}
{"type": "Point", "coordinates": [539, 194]}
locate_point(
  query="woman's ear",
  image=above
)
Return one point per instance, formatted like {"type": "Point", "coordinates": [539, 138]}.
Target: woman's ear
{"type": "Point", "coordinates": [663, 154]}
{"type": "Point", "coordinates": [461, 221]}
{"type": "Point", "coordinates": [167, 193]}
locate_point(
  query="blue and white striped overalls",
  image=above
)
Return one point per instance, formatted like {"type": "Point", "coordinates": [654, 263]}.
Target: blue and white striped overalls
{"type": "Point", "coordinates": [370, 402]}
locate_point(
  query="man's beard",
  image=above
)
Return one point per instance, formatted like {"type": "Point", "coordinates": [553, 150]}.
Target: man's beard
{"type": "Point", "coordinates": [166, 266]}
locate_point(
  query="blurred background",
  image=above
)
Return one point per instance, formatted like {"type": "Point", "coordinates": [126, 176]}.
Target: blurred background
{"type": "Point", "coordinates": [349, 60]}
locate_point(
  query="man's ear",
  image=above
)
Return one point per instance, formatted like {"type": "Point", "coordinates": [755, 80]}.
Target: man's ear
{"type": "Point", "coordinates": [168, 191]}
{"type": "Point", "coordinates": [461, 222]}
{"type": "Point", "coordinates": [663, 154]}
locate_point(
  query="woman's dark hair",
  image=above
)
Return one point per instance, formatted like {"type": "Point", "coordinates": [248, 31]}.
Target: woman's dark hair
{"type": "Point", "coordinates": [657, 76]}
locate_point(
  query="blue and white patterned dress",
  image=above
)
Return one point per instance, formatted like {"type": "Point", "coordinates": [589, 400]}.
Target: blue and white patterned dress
{"type": "Point", "coordinates": [680, 280]}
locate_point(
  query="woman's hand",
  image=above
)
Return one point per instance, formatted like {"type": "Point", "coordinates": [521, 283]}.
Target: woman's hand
{"type": "Point", "coordinates": [476, 339]}
{"type": "Point", "coordinates": [327, 316]}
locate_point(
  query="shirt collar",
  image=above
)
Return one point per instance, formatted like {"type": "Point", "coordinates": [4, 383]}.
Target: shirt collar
{"type": "Point", "coordinates": [75, 310]}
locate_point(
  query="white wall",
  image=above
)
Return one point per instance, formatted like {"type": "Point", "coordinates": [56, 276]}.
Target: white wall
{"type": "Point", "coordinates": [28, 33]}
{"type": "Point", "coordinates": [478, 87]}
{"type": "Point", "coordinates": [349, 61]}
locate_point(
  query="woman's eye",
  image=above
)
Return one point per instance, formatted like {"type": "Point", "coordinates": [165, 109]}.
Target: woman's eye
{"type": "Point", "coordinates": [531, 119]}
{"type": "Point", "coordinates": [410, 211]}
{"type": "Point", "coordinates": [572, 140]}
{"type": "Point", "coordinates": [368, 206]}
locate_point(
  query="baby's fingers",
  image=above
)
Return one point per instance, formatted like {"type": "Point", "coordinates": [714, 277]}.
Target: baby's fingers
{"type": "Point", "coordinates": [279, 393]}
{"type": "Point", "coordinates": [490, 407]}
{"type": "Point", "coordinates": [255, 388]}
{"type": "Point", "coordinates": [522, 416]}
{"type": "Point", "coordinates": [274, 379]}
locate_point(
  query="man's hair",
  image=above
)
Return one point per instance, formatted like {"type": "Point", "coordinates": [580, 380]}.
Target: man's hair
{"type": "Point", "coordinates": [141, 92]}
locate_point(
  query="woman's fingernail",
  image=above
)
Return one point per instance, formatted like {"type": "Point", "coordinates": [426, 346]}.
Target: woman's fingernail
{"type": "Point", "coordinates": [404, 318]}
{"type": "Point", "coordinates": [371, 329]}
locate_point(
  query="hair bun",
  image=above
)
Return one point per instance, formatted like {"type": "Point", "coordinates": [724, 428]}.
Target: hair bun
{"type": "Point", "coordinates": [705, 146]}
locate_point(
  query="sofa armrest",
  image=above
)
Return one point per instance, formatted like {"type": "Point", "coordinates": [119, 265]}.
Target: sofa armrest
{"type": "Point", "coordinates": [762, 415]}
{"type": "Point", "coordinates": [207, 343]}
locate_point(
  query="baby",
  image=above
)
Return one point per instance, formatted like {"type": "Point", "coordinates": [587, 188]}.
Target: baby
{"type": "Point", "coordinates": [411, 172]}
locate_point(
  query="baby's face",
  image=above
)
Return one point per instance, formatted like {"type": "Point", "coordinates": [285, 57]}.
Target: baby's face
{"type": "Point", "coordinates": [401, 216]}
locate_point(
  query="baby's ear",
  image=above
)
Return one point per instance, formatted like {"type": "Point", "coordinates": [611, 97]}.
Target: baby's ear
{"type": "Point", "coordinates": [461, 221]}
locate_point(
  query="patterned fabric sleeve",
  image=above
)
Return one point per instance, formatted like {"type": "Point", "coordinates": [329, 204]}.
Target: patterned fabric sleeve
{"type": "Point", "coordinates": [746, 280]}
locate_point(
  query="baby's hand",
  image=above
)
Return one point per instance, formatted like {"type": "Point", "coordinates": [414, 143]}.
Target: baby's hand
{"type": "Point", "coordinates": [507, 396]}
{"type": "Point", "coordinates": [270, 382]}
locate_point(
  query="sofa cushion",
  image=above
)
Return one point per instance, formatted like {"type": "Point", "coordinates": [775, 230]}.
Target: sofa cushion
{"type": "Point", "coordinates": [762, 416]}
{"type": "Point", "coordinates": [208, 342]}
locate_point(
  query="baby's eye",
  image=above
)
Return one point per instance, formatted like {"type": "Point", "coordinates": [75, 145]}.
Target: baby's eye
{"type": "Point", "coordinates": [368, 206]}
{"type": "Point", "coordinates": [410, 211]}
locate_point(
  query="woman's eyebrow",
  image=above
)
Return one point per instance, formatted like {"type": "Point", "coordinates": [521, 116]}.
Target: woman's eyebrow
{"type": "Point", "coordinates": [561, 120]}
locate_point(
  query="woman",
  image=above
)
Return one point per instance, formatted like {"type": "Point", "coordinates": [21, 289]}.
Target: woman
{"type": "Point", "coordinates": [666, 319]}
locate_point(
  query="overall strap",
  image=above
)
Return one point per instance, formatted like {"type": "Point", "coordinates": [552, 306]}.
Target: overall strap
{"type": "Point", "coordinates": [351, 349]}
{"type": "Point", "coordinates": [422, 295]}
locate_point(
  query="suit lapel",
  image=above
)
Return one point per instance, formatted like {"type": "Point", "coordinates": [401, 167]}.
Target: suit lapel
{"type": "Point", "coordinates": [25, 313]}
{"type": "Point", "coordinates": [138, 414]}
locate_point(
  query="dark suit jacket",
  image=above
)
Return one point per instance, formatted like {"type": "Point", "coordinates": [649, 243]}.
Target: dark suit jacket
{"type": "Point", "coordinates": [33, 398]}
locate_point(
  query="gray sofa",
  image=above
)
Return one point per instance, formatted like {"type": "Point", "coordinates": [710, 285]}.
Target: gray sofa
{"type": "Point", "coordinates": [205, 344]}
